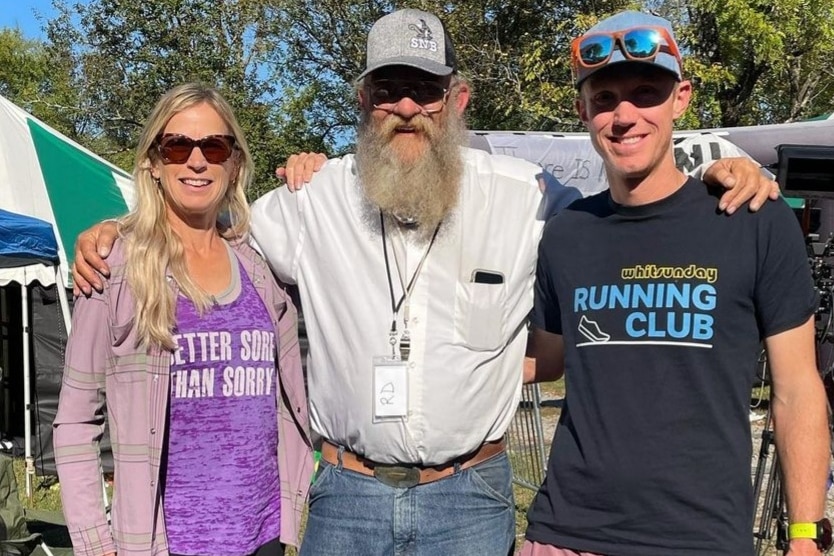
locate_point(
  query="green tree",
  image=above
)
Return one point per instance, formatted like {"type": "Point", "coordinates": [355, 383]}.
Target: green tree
{"type": "Point", "coordinates": [758, 62]}
{"type": "Point", "coordinates": [38, 77]}
{"type": "Point", "coordinates": [23, 66]}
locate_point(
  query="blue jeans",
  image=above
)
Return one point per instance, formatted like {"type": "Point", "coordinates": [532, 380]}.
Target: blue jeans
{"type": "Point", "coordinates": [470, 513]}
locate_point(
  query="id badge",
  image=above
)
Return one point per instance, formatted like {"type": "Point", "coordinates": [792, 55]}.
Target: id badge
{"type": "Point", "coordinates": [390, 389]}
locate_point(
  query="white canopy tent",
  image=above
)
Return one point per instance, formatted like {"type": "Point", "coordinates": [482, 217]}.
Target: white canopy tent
{"type": "Point", "coordinates": [47, 176]}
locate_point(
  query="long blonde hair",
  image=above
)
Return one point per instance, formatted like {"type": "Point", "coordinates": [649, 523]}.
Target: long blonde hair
{"type": "Point", "coordinates": [152, 248]}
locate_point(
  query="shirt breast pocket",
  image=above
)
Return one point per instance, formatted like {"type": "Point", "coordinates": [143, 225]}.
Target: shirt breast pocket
{"type": "Point", "coordinates": [480, 321]}
{"type": "Point", "coordinates": [128, 362]}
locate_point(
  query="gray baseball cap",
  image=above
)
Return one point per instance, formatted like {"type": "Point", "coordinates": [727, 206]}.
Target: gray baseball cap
{"type": "Point", "coordinates": [410, 38]}
{"type": "Point", "coordinates": [624, 21]}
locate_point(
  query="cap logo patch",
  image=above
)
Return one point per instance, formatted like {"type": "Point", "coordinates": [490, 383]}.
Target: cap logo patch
{"type": "Point", "coordinates": [424, 39]}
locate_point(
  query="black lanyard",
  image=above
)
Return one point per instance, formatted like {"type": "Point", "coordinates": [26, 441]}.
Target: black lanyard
{"type": "Point", "coordinates": [405, 339]}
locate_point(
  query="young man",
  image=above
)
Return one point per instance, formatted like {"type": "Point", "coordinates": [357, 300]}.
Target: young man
{"type": "Point", "coordinates": [415, 261]}
{"type": "Point", "coordinates": [654, 305]}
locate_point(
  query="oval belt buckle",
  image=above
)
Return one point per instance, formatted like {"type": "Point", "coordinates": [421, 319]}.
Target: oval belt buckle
{"type": "Point", "coordinates": [397, 476]}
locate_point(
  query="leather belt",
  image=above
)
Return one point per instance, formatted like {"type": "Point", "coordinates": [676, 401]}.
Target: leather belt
{"type": "Point", "coordinates": [407, 476]}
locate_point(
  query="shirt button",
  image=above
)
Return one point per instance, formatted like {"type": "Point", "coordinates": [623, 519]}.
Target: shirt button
{"type": "Point", "coordinates": [412, 364]}
{"type": "Point", "coordinates": [153, 483]}
{"type": "Point", "coordinates": [156, 379]}
{"type": "Point", "coordinates": [153, 431]}
{"type": "Point", "coordinates": [415, 320]}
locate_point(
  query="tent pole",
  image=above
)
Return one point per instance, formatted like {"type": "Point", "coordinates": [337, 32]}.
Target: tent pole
{"type": "Point", "coordinates": [62, 297]}
{"type": "Point", "coordinates": [27, 391]}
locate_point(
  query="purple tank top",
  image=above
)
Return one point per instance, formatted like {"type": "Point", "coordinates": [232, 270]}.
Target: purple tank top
{"type": "Point", "coordinates": [221, 492]}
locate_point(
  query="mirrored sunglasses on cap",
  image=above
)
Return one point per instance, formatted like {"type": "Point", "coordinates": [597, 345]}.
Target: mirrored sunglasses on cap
{"type": "Point", "coordinates": [391, 91]}
{"type": "Point", "coordinates": [174, 148]}
{"type": "Point", "coordinates": [638, 43]}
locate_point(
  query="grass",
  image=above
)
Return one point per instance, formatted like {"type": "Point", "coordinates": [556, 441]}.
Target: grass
{"type": "Point", "coordinates": [46, 491]}
{"type": "Point", "coordinates": [523, 499]}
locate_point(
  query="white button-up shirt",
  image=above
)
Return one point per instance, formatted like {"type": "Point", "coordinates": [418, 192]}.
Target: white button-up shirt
{"type": "Point", "coordinates": [467, 338]}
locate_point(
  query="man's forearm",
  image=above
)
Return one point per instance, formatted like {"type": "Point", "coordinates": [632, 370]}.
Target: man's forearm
{"type": "Point", "coordinates": [802, 441]}
{"type": "Point", "coordinates": [545, 359]}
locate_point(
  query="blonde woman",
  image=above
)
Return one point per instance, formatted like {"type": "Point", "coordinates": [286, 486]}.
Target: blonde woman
{"type": "Point", "coordinates": [192, 347]}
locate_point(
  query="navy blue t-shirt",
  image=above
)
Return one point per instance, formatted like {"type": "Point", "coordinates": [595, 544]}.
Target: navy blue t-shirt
{"type": "Point", "coordinates": [662, 308]}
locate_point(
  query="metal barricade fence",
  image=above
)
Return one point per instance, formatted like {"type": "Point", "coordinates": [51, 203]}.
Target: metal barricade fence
{"type": "Point", "coordinates": [525, 440]}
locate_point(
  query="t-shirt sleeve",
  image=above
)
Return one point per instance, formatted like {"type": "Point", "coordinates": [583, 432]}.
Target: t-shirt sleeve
{"type": "Point", "coordinates": [785, 295]}
{"type": "Point", "coordinates": [546, 313]}
{"type": "Point", "coordinates": [277, 226]}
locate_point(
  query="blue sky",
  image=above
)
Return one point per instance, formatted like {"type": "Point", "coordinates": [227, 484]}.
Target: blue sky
{"type": "Point", "coordinates": [21, 14]}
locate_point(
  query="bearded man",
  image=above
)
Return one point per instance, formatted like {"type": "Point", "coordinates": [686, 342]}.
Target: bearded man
{"type": "Point", "coordinates": [415, 261]}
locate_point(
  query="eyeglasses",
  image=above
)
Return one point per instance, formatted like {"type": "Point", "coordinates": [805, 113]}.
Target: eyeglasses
{"type": "Point", "coordinates": [639, 43]}
{"type": "Point", "coordinates": [176, 149]}
{"type": "Point", "coordinates": [423, 93]}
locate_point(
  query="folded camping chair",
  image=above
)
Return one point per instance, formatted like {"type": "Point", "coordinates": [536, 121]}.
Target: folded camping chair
{"type": "Point", "coordinates": [15, 538]}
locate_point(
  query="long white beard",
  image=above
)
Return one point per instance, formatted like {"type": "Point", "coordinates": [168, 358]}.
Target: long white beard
{"type": "Point", "coordinates": [424, 190]}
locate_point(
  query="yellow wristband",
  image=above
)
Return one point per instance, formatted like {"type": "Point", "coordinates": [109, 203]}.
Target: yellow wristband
{"type": "Point", "coordinates": [802, 531]}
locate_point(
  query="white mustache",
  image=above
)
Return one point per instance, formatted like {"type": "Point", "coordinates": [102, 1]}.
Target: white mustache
{"type": "Point", "coordinates": [419, 123]}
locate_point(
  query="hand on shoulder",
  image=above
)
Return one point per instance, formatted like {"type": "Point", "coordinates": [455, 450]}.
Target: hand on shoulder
{"type": "Point", "coordinates": [299, 169]}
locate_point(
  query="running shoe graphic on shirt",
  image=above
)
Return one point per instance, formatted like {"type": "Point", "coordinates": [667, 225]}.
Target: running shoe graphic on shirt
{"type": "Point", "coordinates": [590, 329]}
